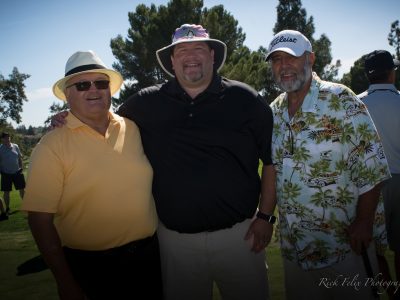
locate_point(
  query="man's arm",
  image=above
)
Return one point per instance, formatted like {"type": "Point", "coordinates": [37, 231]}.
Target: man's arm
{"type": "Point", "coordinates": [58, 120]}
{"type": "Point", "coordinates": [49, 244]}
{"type": "Point", "coordinates": [360, 231]}
{"type": "Point", "coordinates": [260, 229]}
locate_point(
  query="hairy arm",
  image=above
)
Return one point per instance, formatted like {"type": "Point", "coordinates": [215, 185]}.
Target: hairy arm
{"type": "Point", "coordinates": [360, 231]}
{"type": "Point", "coordinates": [261, 230]}
{"type": "Point", "coordinates": [49, 244]}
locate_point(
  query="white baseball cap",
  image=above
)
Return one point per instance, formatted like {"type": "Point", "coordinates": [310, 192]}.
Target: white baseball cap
{"type": "Point", "coordinates": [290, 41]}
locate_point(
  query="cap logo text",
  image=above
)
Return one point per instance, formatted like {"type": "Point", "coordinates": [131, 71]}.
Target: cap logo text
{"type": "Point", "coordinates": [282, 39]}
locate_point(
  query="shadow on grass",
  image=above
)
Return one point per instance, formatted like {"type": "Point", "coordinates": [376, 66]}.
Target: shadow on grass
{"type": "Point", "coordinates": [33, 265]}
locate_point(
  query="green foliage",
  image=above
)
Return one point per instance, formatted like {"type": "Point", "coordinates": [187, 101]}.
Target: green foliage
{"type": "Point", "coordinates": [54, 109]}
{"type": "Point", "coordinates": [291, 15]}
{"type": "Point", "coordinates": [12, 96]}
{"type": "Point", "coordinates": [356, 78]}
{"type": "Point", "coordinates": [394, 37]}
{"type": "Point", "coordinates": [151, 29]}
{"type": "Point", "coordinates": [394, 40]}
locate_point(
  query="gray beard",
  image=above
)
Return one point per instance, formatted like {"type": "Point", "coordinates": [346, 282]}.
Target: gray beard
{"type": "Point", "coordinates": [296, 84]}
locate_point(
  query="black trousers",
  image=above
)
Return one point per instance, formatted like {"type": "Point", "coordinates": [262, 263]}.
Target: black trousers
{"type": "Point", "coordinates": [132, 271]}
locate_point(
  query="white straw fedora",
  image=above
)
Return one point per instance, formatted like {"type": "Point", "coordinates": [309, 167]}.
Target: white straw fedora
{"type": "Point", "coordinates": [189, 33]}
{"type": "Point", "coordinates": [86, 62]}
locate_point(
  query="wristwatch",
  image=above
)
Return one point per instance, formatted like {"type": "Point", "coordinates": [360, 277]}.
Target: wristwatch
{"type": "Point", "coordinates": [269, 218]}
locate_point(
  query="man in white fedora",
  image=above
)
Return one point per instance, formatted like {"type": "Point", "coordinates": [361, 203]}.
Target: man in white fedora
{"type": "Point", "coordinates": [204, 136]}
{"type": "Point", "coordinates": [88, 195]}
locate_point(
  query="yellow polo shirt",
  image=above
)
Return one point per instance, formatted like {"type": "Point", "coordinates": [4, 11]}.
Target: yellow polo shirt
{"type": "Point", "coordinates": [98, 187]}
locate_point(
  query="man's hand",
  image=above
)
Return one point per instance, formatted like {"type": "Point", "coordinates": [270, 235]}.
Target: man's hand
{"type": "Point", "coordinates": [261, 231]}
{"type": "Point", "coordinates": [360, 233]}
{"type": "Point", "coordinates": [58, 120]}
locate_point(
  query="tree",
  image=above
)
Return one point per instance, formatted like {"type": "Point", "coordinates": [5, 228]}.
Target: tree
{"type": "Point", "coordinates": [356, 79]}
{"type": "Point", "coordinates": [291, 15]}
{"type": "Point", "coordinates": [12, 96]}
{"type": "Point", "coordinates": [394, 40]}
{"type": "Point", "coordinates": [394, 37]}
{"type": "Point", "coordinates": [250, 67]}
{"type": "Point", "coordinates": [151, 29]}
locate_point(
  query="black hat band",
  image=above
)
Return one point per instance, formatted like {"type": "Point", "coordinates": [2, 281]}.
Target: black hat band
{"type": "Point", "coordinates": [84, 68]}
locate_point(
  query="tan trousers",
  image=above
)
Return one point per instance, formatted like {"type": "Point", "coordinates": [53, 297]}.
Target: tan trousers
{"type": "Point", "coordinates": [191, 263]}
{"type": "Point", "coordinates": [346, 280]}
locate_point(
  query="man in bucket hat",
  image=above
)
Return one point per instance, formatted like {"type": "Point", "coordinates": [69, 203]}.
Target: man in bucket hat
{"type": "Point", "coordinates": [204, 136]}
{"type": "Point", "coordinates": [88, 195]}
{"type": "Point", "coordinates": [329, 163]}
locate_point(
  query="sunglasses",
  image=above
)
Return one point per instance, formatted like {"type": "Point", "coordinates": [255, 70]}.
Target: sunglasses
{"type": "Point", "coordinates": [189, 32]}
{"type": "Point", "coordinates": [83, 86]}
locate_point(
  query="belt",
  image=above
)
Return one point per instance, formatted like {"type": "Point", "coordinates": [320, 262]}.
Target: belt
{"type": "Point", "coordinates": [130, 247]}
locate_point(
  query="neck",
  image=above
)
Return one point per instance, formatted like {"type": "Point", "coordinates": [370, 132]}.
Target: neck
{"type": "Point", "coordinates": [296, 98]}
{"type": "Point", "coordinates": [194, 92]}
{"type": "Point", "coordinates": [98, 123]}
{"type": "Point", "coordinates": [193, 89]}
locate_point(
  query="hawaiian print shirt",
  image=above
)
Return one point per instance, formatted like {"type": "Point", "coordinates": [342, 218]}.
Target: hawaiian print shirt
{"type": "Point", "coordinates": [327, 155]}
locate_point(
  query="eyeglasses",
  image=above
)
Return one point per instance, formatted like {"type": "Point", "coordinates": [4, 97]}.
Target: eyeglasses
{"type": "Point", "coordinates": [83, 86]}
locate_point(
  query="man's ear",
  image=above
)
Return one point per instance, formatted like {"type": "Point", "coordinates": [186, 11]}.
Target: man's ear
{"type": "Point", "coordinates": [312, 58]}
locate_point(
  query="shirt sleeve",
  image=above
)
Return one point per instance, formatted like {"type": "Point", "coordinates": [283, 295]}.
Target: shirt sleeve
{"type": "Point", "coordinates": [366, 158]}
{"type": "Point", "coordinates": [263, 130]}
{"type": "Point", "coordinates": [44, 181]}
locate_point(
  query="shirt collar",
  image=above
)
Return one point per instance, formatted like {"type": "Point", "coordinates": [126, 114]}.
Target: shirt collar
{"type": "Point", "coordinates": [73, 122]}
{"type": "Point", "coordinates": [310, 101]}
{"type": "Point", "coordinates": [172, 87]}
{"type": "Point", "coordinates": [382, 86]}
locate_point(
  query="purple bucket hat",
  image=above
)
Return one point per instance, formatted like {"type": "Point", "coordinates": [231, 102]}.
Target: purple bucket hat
{"type": "Point", "coordinates": [189, 33]}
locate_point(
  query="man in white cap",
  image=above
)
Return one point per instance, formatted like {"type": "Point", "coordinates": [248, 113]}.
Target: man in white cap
{"type": "Point", "coordinates": [88, 195]}
{"type": "Point", "coordinates": [204, 136]}
{"type": "Point", "coordinates": [329, 163]}
{"type": "Point", "coordinates": [383, 102]}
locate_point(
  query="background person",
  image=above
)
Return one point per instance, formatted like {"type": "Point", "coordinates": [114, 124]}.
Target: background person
{"type": "Point", "coordinates": [383, 102]}
{"type": "Point", "coordinates": [11, 169]}
{"type": "Point", "coordinates": [88, 197]}
{"type": "Point", "coordinates": [3, 214]}
{"type": "Point", "coordinates": [330, 164]}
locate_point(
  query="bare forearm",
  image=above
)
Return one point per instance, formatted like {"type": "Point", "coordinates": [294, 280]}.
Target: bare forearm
{"type": "Point", "coordinates": [360, 230]}
{"type": "Point", "coordinates": [49, 244]}
{"type": "Point", "coordinates": [268, 190]}
{"type": "Point", "coordinates": [367, 203]}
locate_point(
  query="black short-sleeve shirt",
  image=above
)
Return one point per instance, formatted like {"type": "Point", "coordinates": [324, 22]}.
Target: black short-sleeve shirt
{"type": "Point", "coordinates": [204, 152]}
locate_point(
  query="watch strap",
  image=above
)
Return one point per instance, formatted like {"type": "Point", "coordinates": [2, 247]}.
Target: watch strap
{"type": "Point", "coordinates": [269, 218]}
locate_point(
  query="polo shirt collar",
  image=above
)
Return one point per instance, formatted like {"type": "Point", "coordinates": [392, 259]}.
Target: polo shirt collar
{"type": "Point", "coordinates": [174, 88]}
{"type": "Point", "coordinates": [382, 86]}
{"type": "Point", "coordinates": [73, 122]}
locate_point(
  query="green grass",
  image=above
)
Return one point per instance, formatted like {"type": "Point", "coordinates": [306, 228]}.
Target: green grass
{"type": "Point", "coordinates": [17, 246]}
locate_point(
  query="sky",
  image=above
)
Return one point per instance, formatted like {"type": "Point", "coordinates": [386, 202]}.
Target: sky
{"type": "Point", "coordinates": [38, 36]}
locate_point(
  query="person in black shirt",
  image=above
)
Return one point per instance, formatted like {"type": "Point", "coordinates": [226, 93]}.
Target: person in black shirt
{"type": "Point", "coordinates": [204, 136]}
